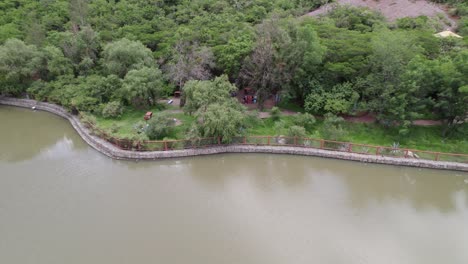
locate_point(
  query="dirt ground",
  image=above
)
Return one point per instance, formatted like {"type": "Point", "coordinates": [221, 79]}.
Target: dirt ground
{"type": "Point", "coordinates": [394, 9]}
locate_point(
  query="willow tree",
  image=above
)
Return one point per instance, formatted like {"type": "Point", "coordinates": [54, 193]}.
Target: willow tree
{"type": "Point", "coordinates": [18, 64]}
{"type": "Point", "coordinates": [200, 94]}
{"type": "Point", "coordinates": [222, 120]}
{"type": "Point", "coordinates": [124, 55]}
{"type": "Point", "coordinates": [142, 87]}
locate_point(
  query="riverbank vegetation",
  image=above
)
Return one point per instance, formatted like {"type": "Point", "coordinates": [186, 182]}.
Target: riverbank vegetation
{"type": "Point", "coordinates": [113, 61]}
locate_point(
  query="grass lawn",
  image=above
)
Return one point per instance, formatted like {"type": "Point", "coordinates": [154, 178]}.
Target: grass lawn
{"type": "Point", "coordinates": [131, 116]}
{"type": "Point", "coordinates": [420, 138]}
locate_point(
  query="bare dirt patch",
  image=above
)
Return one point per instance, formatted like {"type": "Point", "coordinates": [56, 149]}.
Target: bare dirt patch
{"type": "Point", "coordinates": [394, 9]}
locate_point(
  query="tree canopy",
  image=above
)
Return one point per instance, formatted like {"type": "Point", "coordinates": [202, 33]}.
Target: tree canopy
{"type": "Point", "coordinates": [85, 54]}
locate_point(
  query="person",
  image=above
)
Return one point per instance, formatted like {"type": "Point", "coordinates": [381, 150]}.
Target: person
{"type": "Point", "coordinates": [255, 99]}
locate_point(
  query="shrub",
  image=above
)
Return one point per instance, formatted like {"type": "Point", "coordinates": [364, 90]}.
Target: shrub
{"type": "Point", "coordinates": [297, 131]}
{"type": "Point", "coordinates": [160, 126]}
{"type": "Point", "coordinates": [332, 128]}
{"type": "Point", "coordinates": [112, 110]}
{"type": "Point", "coordinates": [279, 127]}
{"type": "Point", "coordinates": [305, 120]}
{"type": "Point", "coordinates": [115, 128]}
{"type": "Point", "coordinates": [140, 127]}
{"type": "Point", "coordinates": [275, 113]}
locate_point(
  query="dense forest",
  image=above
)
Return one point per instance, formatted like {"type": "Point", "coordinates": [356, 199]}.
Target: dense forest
{"type": "Point", "coordinates": [99, 56]}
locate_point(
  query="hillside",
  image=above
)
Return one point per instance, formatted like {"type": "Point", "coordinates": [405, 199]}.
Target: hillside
{"type": "Point", "coordinates": [395, 9]}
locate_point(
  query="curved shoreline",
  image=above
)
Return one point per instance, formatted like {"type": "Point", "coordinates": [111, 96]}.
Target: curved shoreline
{"type": "Point", "coordinates": [111, 151]}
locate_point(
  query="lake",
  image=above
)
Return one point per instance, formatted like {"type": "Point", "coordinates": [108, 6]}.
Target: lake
{"type": "Point", "coordinates": [63, 202]}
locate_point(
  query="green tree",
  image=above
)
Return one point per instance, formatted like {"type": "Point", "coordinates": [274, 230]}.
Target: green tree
{"type": "Point", "coordinates": [225, 120]}
{"type": "Point", "coordinates": [305, 120]}
{"type": "Point", "coordinates": [297, 131]}
{"type": "Point", "coordinates": [260, 70]}
{"type": "Point", "coordinates": [188, 62]}
{"type": "Point", "coordinates": [160, 126]}
{"type": "Point", "coordinates": [451, 100]}
{"type": "Point", "coordinates": [18, 64]}
{"type": "Point", "coordinates": [229, 56]}
{"type": "Point", "coordinates": [125, 55]}
{"type": "Point", "coordinates": [81, 47]}
{"type": "Point", "coordinates": [55, 63]}
{"type": "Point", "coordinates": [8, 31]}
{"type": "Point", "coordinates": [300, 58]}
{"type": "Point", "coordinates": [340, 99]}
{"type": "Point", "coordinates": [392, 51]}
{"type": "Point", "coordinates": [285, 53]}
{"type": "Point", "coordinates": [142, 87]}
{"type": "Point", "coordinates": [200, 94]}
{"type": "Point", "coordinates": [332, 128]}
{"type": "Point", "coordinates": [112, 110]}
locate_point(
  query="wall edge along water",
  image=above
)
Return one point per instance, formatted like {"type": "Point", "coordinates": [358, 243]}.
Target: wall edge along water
{"type": "Point", "coordinates": [114, 152]}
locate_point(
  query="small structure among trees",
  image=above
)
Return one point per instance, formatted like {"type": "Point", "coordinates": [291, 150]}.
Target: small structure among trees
{"type": "Point", "coordinates": [148, 116]}
{"type": "Point", "coordinates": [447, 33]}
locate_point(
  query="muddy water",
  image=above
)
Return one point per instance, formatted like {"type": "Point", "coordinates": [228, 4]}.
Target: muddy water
{"type": "Point", "coordinates": [62, 202]}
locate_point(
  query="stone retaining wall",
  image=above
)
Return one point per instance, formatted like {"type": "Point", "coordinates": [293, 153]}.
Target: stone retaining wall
{"type": "Point", "coordinates": [112, 151]}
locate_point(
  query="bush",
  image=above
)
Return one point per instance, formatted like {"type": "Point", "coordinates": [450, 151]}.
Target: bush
{"type": "Point", "coordinates": [279, 127]}
{"type": "Point", "coordinates": [112, 110]}
{"type": "Point", "coordinates": [140, 127]}
{"type": "Point", "coordinates": [297, 131]}
{"type": "Point", "coordinates": [332, 128]}
{"type": "Point", "coordinates": [115, 128]}
{"type": "Point", "coordinates": [463, 27]}
{"type": "Point", "coordinates": [160, 126]}
{"type": "Point", "coordinates": [275, 113]}
{"type": "Point", "coordinates": [305, 120]}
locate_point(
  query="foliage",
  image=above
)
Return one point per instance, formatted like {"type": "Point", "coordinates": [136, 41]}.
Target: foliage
{"type": "Point", "coordinates": [55, 63]}
{"type": "Point", "coordinates": [297, 131]}
{"type": "Point", "coordinates": [124, 55]}
{"type": "Point", "coordinates": [275, 113]}
{"type": "Point", "coordinates": [305, 120]}
{"type": "Point", "coordinates": [140, 127]}
{"type": "Point", "coordinates": [355, 18]}
{"type": "Point", "coordinates": [332, 128]}
{"type": "Point", "coordinates": [112, 110]}
{"type": "Point", "coordinates": [81, 48]}
{"type": "Point", "coordinates": [160, 126]}
{"type": "Point", "coordinates": [283, 55]}
{"type": "Point", "coordinates": [84, 54]}
{"type": "Point", "coordinates": [200, 94]}
{"type": "Point", "coordinates": [383, 89]}
{"type": "Point", "coordinates": [340, 99]}
{"type": "Point", "coordinates": [18, 63]}
{"type": "Point", "coordinates": [223, 120]}
{"type": "Point", "coordinates": [189, 62]}
{"type": "Point", "coordinates": [142, 87]}
{"type": "Point", "coordinates": [279, 127]}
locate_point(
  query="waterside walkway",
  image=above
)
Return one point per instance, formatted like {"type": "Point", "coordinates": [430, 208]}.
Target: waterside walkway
{"type": "Point", "coordinates": [115, 152]}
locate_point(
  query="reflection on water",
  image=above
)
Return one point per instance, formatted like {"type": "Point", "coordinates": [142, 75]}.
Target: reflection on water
{"type": "Point", "coordinates": [62, 202]}
{"type": "Point", "coordinates": [35, 130]}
